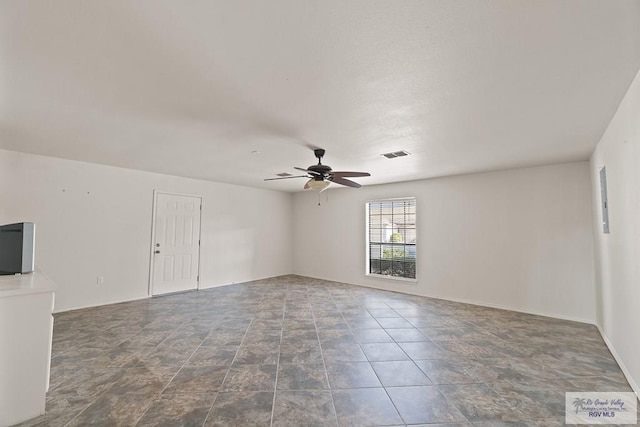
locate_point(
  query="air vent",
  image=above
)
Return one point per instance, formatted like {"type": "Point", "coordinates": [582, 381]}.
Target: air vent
{"type": "Point", "coordinates": [283, 174]}
{"type": "Point", "coordinates": [395, 154]}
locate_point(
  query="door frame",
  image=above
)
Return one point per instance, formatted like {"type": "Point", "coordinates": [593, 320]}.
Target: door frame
{"type": "Point", "coordinates": [153, 235]}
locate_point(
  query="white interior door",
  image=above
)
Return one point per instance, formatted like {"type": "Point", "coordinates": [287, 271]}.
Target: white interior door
{"type": "Point", "coordinates": [176, 245]}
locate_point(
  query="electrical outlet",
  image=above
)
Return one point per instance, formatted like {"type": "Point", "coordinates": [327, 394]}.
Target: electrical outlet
{"type": "Point", "coordinates": [100, 280]}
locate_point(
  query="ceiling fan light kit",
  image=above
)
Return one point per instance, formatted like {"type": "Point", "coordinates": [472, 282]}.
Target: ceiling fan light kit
{"type": "Point", "coordinates": [319, 186]}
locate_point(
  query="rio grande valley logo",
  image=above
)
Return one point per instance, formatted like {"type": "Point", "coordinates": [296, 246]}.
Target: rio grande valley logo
{"type": "Point", "coordinates": [601, 408]}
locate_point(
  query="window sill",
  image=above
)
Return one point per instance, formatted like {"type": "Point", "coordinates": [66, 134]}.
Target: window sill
{"type": "Point", "coordinates": [397, 278]}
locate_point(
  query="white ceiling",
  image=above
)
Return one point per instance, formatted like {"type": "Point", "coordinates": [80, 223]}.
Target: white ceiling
{"type": "Point", "coordinates": [191, 88]}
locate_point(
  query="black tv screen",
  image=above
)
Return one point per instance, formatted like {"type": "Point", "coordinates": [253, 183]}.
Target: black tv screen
{"type": "Point", "coordinates": [17, 244]}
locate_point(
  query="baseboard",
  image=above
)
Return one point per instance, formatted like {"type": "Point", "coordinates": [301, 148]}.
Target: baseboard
{"type": "Point", "coordinates": [203, 287]}
{"type": "Point", "coordinates": [623, 367]}
{"type": "Point", "coordinates": [519, 310]}
{"type": "Point", "coordinates": [463, 301]}
{"type": "Point", "coordinates": [100, 304]}
{"type": "Point", "coordinates": [220, 285]}
{"type": "Point", "coordinates": [151, 296]}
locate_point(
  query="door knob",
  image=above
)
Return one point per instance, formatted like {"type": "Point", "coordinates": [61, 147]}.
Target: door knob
{"type": "Point", "coordinates": [156, 252]}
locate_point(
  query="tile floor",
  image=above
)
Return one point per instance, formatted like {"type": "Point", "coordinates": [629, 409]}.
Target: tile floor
{"type": "Point", "coordinates": [294, 351]}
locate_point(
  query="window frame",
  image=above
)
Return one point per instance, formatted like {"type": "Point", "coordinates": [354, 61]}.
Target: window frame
{"type": "Point", "coordinates": [367, 267]}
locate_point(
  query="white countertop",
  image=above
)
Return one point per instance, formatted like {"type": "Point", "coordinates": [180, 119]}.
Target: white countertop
{"type": "Point", "coordinates": [23, 284]}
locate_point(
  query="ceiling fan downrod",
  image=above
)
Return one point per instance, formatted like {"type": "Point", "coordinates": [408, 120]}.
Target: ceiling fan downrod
{"type": "Point", "coordinates": [319, 153]}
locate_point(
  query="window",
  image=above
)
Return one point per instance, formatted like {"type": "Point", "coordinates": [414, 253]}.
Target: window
{"type": "Point", "coordinates": [391, 234]}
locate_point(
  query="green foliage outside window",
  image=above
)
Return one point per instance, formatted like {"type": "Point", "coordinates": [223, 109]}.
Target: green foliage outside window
{"type": "Point", "coordinates": [396, 238]}
{"type": "Point", "coordinates": [391, 253]}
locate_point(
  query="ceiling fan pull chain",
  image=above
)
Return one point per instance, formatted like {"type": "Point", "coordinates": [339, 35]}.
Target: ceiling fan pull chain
{"type": "Point", "coordinates": [326, 198]}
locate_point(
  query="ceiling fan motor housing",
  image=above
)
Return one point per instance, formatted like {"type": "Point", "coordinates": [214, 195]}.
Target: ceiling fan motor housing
{"type": "Point", "coordinates": [320, 169]}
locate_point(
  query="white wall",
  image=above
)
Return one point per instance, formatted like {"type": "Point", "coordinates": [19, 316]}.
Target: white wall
{"type": "Point", "coordinates": [518, 239]}
{"type": "Point", "coordinates": [618, 253]}
{"type": "Point", "coordinates": [94, 220]}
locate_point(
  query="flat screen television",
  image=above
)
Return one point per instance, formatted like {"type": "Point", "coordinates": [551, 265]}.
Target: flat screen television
{"type": "Point", "coordinates": [17, 247]}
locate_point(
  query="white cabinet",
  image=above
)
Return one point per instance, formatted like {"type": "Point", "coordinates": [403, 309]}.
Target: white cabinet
{"type": "Point", "coordinates": [26, 328]}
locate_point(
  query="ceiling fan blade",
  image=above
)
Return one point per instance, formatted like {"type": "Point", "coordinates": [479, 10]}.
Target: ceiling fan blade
{"type": "Point", "coordinates": [306, 170]}
{"type": "Point", "coordinates": [350, 174]}
{"type": "Point", "coordinates": [306, 184]}
{"type": "Point", "coordinates": [286, 177]}
{"type": "Point", "coordinates": [344, 181]}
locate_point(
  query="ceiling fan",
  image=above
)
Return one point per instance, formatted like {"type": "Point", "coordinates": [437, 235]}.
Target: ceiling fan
{"type": "Point", "coordinates": [321, 176]}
